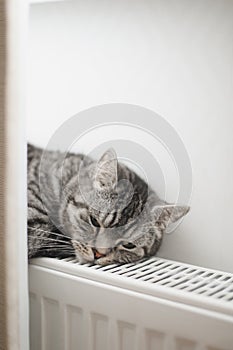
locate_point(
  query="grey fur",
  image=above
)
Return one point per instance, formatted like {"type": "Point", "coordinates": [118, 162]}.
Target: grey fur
{"type": "Point", "coordinates": [101, 212]}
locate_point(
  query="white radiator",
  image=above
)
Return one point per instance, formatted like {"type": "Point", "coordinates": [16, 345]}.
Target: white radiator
{"type": "Point", "coordinates": [155, 305]}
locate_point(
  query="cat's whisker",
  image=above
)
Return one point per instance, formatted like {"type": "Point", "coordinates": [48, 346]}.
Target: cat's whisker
{"type": "Point", "coordinates": [60, 234]}
{"type": "Point", "coordinates": [50, 239]}
{"type": "Point", "coordinates": [55, 247]}
{"type": "Point", "coordinates": [53, 244]}
{"type": "Point", "coordinates": [50, 232]}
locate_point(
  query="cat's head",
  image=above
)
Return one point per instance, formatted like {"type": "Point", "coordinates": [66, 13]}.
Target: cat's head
{"type": "Point", "coordinates": [112, 216]}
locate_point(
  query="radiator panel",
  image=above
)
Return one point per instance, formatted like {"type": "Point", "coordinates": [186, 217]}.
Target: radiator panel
{"type": "Point", "coordinates": [99, 331]}
{"type": "Point", "coordinates": [50, 323]}
{"type": "Point", "coordinates": [74, 327]}
{"type": "Point", "coordinates": [154, 340]}
{"type": "Point", "coordinates": [70, 311]}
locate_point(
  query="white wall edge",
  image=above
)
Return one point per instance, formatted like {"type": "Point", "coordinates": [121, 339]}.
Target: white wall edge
{"type": "Point", "coordinates": [16, 187]}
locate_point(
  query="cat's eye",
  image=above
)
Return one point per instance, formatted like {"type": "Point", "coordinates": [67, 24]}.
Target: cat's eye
{"type": "Point", "coordinates": [129, 245]}
{"type": "Point", "coordinates": [94, 222]}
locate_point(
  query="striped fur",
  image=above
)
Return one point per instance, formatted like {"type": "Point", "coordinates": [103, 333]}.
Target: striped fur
{"type": "Point", "coordinates": [101, 212]}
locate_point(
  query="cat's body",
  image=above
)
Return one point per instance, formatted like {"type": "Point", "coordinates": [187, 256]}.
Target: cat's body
{"type": "Point", "coordinates": [101, 212]}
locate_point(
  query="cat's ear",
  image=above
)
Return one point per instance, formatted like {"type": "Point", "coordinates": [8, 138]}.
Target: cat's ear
{"type": "Point", "coordinates": [105, 176]}
{"type": "Point", "coordinates": [169, 213]}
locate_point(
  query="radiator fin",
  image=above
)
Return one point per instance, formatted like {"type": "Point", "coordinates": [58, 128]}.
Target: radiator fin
{"type": "Point", "coordinates": [154, 340]}
{"type": "Point", "coordinates": [185, 344]}
{"type": "Point", "coordinates": [127, 335]}
{"type": "Point", "coordinates": [35, 322]}
{"type": "Point", "coordinates": [74, 328]}
{"type": "Point", "coordinates": [50, 324]}
{"type": "Point", "coordinates": [100, 332]}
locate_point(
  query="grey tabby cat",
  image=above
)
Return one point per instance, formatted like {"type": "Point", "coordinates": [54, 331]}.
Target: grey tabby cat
{"type": "Point", "coordinates": [101, 212]}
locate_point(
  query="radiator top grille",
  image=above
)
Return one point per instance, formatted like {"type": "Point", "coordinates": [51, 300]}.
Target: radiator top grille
{"type": "Point", "coordinates": [176, 275]}
{"type": "Point", "coordinates": [158, 277]}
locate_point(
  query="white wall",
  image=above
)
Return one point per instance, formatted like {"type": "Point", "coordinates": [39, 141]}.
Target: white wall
{"type": "Point", "coordinates": [174, 57]}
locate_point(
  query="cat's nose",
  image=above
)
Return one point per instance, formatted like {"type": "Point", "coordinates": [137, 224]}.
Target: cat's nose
{"type": "Point", "coordinates": [100, 252]}
{"type": "Point", "coordinates": [97, 254]}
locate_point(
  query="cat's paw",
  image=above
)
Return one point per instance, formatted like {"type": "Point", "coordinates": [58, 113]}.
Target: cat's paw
{"type": "Point", "coordinates": [83, 252]}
